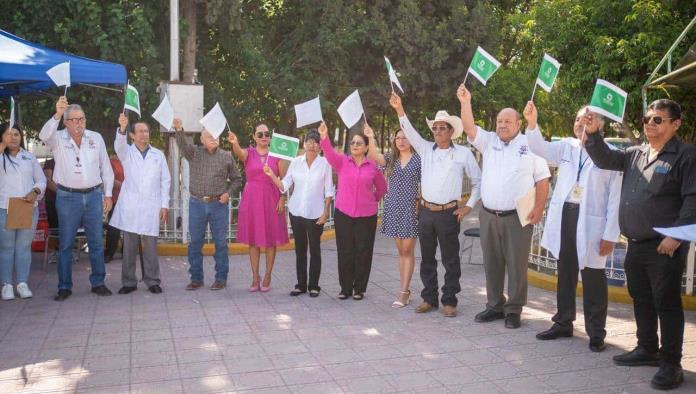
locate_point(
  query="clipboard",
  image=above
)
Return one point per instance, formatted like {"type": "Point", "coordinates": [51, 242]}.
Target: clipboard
{"type": "Point", "coordinates": [20, 214]}
{"type": "Point", "coordinates": [524, 206]}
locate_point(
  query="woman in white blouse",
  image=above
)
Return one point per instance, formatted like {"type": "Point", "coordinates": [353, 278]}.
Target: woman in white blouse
{"type": "Point", "coordinates": [20, 176]}
{"type": "Point", "coordinates": [309, 204]}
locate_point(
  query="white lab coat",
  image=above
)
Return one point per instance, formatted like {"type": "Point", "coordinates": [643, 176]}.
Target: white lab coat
{"type": "Point", "coordinates": [145, 189]}
{"type": "Point", "coordinates": [599, 207]}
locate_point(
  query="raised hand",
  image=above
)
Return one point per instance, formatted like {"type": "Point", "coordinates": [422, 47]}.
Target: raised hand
{"type": "Point", "coordinates": [122, 122]}
{"type": "Point", "coordinates": [178, 124]}
{"type": "Point", "coordinates": [530, 115]}
{"type": "Point", "coordinates": [463, 94]}
{"type": "Point", "coordinates": [61, 106]}
{"type": "Point", "coordinates": [232, 138]}
{"type": "Point", "coordinates": [323, 130]}
{"type": "Point", "coordinates": [590, 121]}
{"type": "Point", "coordinates": [367, 130]}
{"type": "Point", "coordinates": [395, 102]}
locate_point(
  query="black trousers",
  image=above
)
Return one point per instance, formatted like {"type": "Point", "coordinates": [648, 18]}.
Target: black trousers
{"type": "Point", "coordinates": [307, 231]}
{"type": "Point", "coordinates": [654, 283]}
{"type": "Point", "coordinates": [443, 228]}
{"type": "Point", "coordinates": [113, 235]}
{"type": "Point", "coordinates": [355, 240]}
{"type": "Point", "coordinates": [594, 281]}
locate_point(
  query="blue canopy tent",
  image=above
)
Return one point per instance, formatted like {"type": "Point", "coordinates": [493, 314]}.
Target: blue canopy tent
{"type": "Point", "coordinates": [23, 67]}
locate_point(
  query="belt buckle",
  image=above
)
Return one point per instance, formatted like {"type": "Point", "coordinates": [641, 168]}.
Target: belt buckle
{"type": "Point", "coordinates": [207, 199]}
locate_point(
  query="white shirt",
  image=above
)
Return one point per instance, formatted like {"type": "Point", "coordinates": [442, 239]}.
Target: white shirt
{"type": "Point", "coordinates": [509, 170]}
{"type": "Point", "coordinates": [145, 189]}
{"type": "Point", "coordinates": [442, 170]}
{"type": "Point", "coordinates": [17, 180]}
{"type": "Point", "coordinates": [78, 167]}
{"type": "Point", "coordinates": [312, 185]}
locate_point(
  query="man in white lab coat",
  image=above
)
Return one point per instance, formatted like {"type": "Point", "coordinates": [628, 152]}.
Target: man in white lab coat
{"type": "Point", "coordinates": [142, 204]}
{"type": "Point", "coordinates": [582, 225]}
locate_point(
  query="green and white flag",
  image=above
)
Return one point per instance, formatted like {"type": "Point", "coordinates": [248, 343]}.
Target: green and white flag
{"type": "Point", "coordinates": [548, 72]}
{"type": "Point", "coordinates": [608, 100]}
{"type": "Point", "coordinates": [483, 65]}
{"type": "Point", "coordinates": [392, 76]}
{"type": "Point", "coordinates": [12, 112]}
{"type": "Point", "coordinates": [132, 100]}
{"type": "Point", "coordinates": [283, 146]}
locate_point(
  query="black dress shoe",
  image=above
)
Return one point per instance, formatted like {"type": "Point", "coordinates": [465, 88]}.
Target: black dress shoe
{"type": "Point", "coordinates": [297, 291]}
{"type": "Point", "coordinates": [597, 345]}
{"type": "Point", "coordinates": [314, 293]}
{"type": "Point", "coordinates": [62, 295]}
{"type": "Point", "coordinates": [127, 289]}
{"type": "Point", "coordinates": [637, 357]}
{"type": "Point", "coordinates": [155, 289]}
{"type": "Point", "coordinates": [668, 377]}
{"type": "Point", "coordinates": [512, 320]}
{"type": "Point", "coordinates": [556, 331]}
{"type": "Point", "coordinates": [101, 291]}
{"type": "Point", "coordinates": [488, 315]}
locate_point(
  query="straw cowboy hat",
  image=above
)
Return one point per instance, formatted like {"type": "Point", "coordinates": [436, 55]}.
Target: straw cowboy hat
{"type": "Point", "coordinates": [454, 121]}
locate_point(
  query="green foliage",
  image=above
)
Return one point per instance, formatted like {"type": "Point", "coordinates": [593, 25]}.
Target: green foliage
{"type": "Point", "coordinates": [259, 58]}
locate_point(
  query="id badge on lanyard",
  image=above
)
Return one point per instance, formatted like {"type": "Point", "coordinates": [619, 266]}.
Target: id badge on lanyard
{"type": "Point", "coordinates": [577, 190]}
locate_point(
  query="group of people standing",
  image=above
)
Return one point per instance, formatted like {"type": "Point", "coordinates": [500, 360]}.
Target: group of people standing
{"type": "Point", "coordinates": [599, 193]}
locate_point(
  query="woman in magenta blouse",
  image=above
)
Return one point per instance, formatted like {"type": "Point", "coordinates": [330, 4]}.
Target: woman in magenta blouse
{"type": "Point", "coordinates": [360, 187]}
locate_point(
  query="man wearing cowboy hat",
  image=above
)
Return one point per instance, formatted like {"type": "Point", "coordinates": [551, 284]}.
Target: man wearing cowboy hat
{"type": "Point", "coordinates": [443, 165]}
{"type": "Point", "coordinates": [510, 171]}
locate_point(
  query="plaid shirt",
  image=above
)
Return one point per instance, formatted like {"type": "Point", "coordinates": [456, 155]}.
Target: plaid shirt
{"type": "Point", "coordinates": [212, 174]}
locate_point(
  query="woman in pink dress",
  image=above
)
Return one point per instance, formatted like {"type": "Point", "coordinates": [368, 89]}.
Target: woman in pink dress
{"type": "Point", "coordinates": [261, 222]}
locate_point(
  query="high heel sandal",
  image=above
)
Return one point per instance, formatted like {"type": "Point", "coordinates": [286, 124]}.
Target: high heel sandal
{"type": "Point", "coordinates": [403, 300]}
{"type": "Point", "coordinates": [265, 289]}
{"type": "Point", "coordinates": [254, 288]}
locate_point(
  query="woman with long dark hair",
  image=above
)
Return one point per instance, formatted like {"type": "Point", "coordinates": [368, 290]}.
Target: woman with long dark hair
{"type": "Point", "coordinates": [360, 187]}
{"type": "Point", "coordinates": [402, 168]}
{"type": "Point", "coordinates": [21, 176]}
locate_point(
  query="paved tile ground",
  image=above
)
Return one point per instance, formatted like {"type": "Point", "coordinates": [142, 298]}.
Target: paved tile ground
{"type": "Point", "coordinates": [236, 341]}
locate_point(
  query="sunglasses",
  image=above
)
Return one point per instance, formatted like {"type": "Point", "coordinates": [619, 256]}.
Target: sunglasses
{"type": "Point", "coordinates": [357, 143]}
{"type": "Point", "coordinates": [437, 129]}
{"type": "Point", "coordinates": [656, 119]}
{"type": "Point", "coordinates": [262, 134]}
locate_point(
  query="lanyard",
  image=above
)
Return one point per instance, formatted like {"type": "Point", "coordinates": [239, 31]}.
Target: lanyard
{"type": "Point", "coordinates": [581, 165]}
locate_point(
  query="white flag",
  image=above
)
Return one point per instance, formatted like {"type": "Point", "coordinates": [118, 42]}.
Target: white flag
{"type": "Point", "coordinates": [164, 114]}
{"type": "Point", "coordinates": [392, 75]}
{"type": "Point", "coordinates": [60, 74]}
{"type": "Point", "coordinates": [308, 112]}
{"type": "Point", "coordinates": [351, 109]}
{"type": "Point", "coordinates": [12, 113]}
{"type": "Point", "coordinates": [214, 121]}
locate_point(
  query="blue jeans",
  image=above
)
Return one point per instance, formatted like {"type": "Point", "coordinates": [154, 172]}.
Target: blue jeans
{"type": "Point", "coordinates": [200, 215]}
{"type": "Point", "coordinates": [75, 209]}
{"type": "Point", "coordinates": [15, 250]}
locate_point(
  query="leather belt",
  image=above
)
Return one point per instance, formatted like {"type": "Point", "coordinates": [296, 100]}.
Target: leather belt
{"type": "Point", "coordinates": [437, 207]}
{"type": "Point", "coordinates": [206, 198]}
{"type": "Point", "coordinates": [571, 205]}
{"type": "Point", "coordinates": [643, 241]}
{"type": "Point", "coordinates": [500, 214]}
{"type": "Point", "coordinates": [83, 191]}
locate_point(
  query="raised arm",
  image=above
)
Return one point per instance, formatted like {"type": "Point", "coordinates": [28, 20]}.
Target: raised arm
{"type": "Point", "coordinates": [238, 151]}
{"type": "Point", "coordinates": [467, 113]}
{"type": "Point", "coordinates": [418, 142]}
{"type": "Point", "coordinates": [600, 153]}
{"type": "Point", "coordinates": [372, 148]}
{"type": "Point", "coordinates": [121, 141]}
{"type": "Point", "coordinates": [186, 148]}
{"type": "Point", "coordinates": [551, 151]}
{"type": "Point", "coordinates": [334, 159]}
{"type": "Point", "coordinates": [49, 129]}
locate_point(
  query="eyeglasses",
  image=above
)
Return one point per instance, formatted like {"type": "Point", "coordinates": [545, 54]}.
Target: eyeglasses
{"type": "Point", "coordinates": [82, 119]}
{"type": "Point", "coordinates": [399, 138]}
{"type": "Point", "coordinates": [357, 143]}
{"type": "Point", "coordinates": [656, 119]}
{"type": "Point", "coordinates": [262, 134]}
{"type": "Point", "coordinates": [438, 129]}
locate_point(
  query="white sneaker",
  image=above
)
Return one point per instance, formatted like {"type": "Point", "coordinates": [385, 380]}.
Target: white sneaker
{"type": "Point", "coordinates": [23, 290]}
{"type": "Point", "coordinates": [7, 292]}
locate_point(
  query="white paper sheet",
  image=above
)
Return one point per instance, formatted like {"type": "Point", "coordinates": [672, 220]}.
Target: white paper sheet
{"type": "Point", "coordinates": [60, 74]}
{"type": "Point", "coordinates": [351, 109]}
{"type": "Point", "coordinates": [214, 121]}
{"type": "Point", "coordinates": [164, 114]}
{"type": "Point", "coordinates": [308, 112]}
{"type": "Point", "coordinates": [683, 233]}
